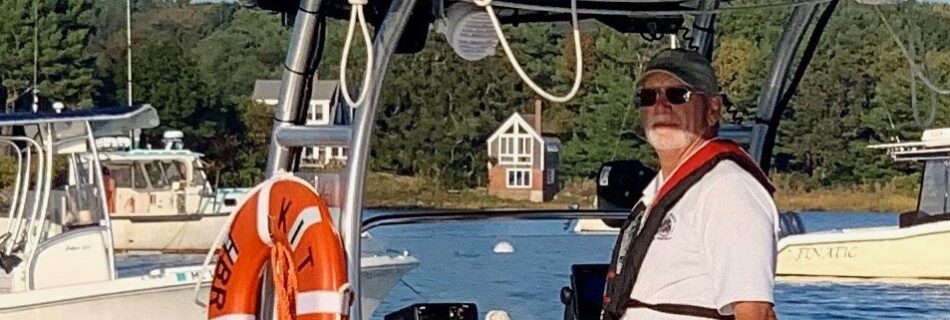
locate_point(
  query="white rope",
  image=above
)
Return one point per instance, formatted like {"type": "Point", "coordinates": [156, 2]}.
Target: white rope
{"type": "Point", "coordinates": [578, 57]}
{"type": "Point", "coordinates": [915, 69]}
{"type": "Point", "coordinates": [204, 266]}
{"type": "Point", "coordinates": [356, 13]}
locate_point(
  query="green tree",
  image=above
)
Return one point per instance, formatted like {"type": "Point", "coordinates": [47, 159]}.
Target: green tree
{"type": "Point", "coordinates": [64, 67]}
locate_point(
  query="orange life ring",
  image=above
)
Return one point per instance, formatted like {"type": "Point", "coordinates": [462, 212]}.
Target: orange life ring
{"type": "Point", "coordinates": [286, 223]}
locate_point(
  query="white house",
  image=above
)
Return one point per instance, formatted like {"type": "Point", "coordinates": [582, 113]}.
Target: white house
{"type": "Point", "coordinates": [324, 110]}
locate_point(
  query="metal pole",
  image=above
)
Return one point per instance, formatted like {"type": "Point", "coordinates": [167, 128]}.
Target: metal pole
{"type": "Point", "coordinates": [384, 45]}
{"type": "Point", "coordinates": [772, 90]}
{"type": "Point", "coordinates": [290, 108]}
{"type": "Point", "coordinates": [106, 221]}
{"type": "Point", "coordinates": [292, 103]}
{"type": "Point", "coordinates": [128, 46]}
{"type": "Point", "coordinates": [36, 55]}
{"type": "Point", "coordinates": [704, 29]}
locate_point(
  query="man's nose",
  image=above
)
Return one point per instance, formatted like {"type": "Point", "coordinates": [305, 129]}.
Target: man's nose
{"type": "Point", "coordinates": [662, 103]}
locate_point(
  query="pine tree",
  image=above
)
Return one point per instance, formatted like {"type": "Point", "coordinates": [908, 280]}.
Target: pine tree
{"type": "Point", "coordinates": [65, 67]}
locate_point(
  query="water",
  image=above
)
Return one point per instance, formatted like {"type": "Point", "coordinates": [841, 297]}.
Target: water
{"type": "Point", "coordinates": [458, 265]}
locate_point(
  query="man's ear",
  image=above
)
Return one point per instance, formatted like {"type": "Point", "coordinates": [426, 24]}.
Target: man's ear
{"type": "Point", "coordinates": [713, 110]}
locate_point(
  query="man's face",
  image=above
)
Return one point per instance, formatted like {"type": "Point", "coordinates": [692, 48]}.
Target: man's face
{"type": "Point", "coordinates": [671, 127]}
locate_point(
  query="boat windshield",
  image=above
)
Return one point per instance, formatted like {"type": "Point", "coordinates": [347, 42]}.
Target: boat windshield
{"type": "Point", "coordinates": [934, 188]}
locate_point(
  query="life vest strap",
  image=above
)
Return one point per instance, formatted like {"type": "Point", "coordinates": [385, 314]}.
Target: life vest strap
{"type": "Point", "coordinates": [680, 309]}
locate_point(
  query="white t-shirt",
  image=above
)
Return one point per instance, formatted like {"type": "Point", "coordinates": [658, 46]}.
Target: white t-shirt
{"type": "Point", "coordinates": [715, 247]}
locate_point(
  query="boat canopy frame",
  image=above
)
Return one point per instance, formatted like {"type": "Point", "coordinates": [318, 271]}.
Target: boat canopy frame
{"type": "Point", "coordinates": [398, 19]}
{"type": "Point", "coordinates": [52, 130]}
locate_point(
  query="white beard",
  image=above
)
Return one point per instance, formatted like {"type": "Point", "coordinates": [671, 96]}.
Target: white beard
{"type": "Point", "coordinates": [664, 139]}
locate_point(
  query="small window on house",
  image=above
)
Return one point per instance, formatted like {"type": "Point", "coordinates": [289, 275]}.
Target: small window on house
{"type": "Point", "coordinates": [551, 178]}
{"type": "Point", "coordinates": [552, 147]}
{"type": "Point", "coordinates": [519, 178]}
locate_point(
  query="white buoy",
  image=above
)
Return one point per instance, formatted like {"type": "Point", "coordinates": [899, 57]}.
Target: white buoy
{"type": "Point", "coordinates": [504, 247]}
{"type": "Point", "coordinates": [497, 315]}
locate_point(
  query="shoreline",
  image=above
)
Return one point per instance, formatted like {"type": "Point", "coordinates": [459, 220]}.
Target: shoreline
{"type": "Point", "coordinates": [389, 192]}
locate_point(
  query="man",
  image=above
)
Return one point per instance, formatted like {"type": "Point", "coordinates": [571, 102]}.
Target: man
{"type": "Point", "coordinates": [701, 242]}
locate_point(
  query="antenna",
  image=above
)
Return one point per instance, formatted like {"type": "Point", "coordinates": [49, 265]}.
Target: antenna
{"type": "Point", "coordinates": [134, 134]}
{"type": "Point", "coordinates": [36, 54]}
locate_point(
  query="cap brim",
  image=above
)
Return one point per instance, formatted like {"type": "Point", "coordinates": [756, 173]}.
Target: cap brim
{"type": "Point", "coordinates": [655, 71]}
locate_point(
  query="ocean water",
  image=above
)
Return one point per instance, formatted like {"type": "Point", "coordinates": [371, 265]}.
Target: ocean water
{"type": "Point", "coordinates": [459, 265]}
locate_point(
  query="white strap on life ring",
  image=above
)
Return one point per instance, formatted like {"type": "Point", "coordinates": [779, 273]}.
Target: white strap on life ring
{"type": "Point", "coordinates": [325, 302]}
{"type": "Point", "coordinates": [308, 217]}
{"type": "Point", "coordinates": [236, 316]}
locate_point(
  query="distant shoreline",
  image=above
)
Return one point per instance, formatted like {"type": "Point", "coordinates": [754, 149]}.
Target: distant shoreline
{"type": "Point", "coordinates": [388, 192]}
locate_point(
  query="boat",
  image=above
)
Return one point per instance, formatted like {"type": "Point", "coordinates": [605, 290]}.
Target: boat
{"type": "Point", "coordinates": [57, 254]}
{"type": "Point", "coordinates": [911, 249]}
{"type": "Point", "coordinates": [163, 199]}
{"type": "Point", "coordinates": [401, 26]}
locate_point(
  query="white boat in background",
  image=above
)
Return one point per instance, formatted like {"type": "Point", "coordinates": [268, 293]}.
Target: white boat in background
{"type": "Point", "coordinates": [915, 248]}
{"type": "Point", "coordinates": [163, 200]}
{"type": "Point", "coordinates": [57, 255]}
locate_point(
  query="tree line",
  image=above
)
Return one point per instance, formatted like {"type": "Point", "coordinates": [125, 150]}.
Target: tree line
{"type": "Point", "coordinates": [196, 63]}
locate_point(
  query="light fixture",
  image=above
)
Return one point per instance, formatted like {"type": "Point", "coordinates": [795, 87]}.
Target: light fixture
{"type": "Point", "coordinates": [469, 31]}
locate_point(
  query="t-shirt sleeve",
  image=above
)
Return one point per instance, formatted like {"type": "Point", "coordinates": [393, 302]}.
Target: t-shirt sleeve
{"type": "Point", "coordinates": [739, 237]}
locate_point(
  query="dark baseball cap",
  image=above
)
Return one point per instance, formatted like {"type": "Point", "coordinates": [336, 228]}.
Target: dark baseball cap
{"type": "Point", "coordinates": [688, 66]}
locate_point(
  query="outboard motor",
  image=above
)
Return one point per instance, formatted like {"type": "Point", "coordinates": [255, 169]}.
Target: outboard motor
{"type": "Point", "coordinates": [790, 224]}
{"type": "Point", "coordinates": [620, 185]}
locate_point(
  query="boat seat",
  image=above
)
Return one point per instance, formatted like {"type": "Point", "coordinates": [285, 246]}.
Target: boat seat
{"type": "Point", "coordinates": [83, 250]}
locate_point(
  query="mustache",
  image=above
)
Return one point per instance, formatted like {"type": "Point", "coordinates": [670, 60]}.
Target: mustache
{"type": "Point", "coordinates": [662, 120]}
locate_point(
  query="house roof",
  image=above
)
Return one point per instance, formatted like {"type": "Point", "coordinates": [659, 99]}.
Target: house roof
{"type": "Point", "coordinates": [270, 89]}
{"type": "Point", "coordinates": [515, 118]}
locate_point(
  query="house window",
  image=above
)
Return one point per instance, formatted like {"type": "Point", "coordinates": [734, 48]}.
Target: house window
{"type": "Point", "coordinates": [519, 178]}
{"type": "Point", "coordinates": [315, 114]}
{"type": "Point", "coordinates": [308, 153]}
{"type": "Point", "coordinates": [516, 146]}
{"type": "Point", "coordinates": [551, 178]}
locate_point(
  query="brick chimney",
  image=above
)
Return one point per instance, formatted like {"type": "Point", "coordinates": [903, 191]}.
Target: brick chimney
{"type": "Point", "coordinates": [537, 115]}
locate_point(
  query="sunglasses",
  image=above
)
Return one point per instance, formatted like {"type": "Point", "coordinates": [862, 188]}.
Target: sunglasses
{"type": "Point", "coordinates": [675, 95]}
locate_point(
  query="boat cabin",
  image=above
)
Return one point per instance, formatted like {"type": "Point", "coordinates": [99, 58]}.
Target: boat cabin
{"type": "Point", "coordinates": [933, 199]}
{"type": "Point", "coordinates": [169, 181]}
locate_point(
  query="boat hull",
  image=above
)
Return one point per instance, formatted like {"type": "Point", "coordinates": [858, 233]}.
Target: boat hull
{"type": "Point", "coordinates": [166, 233]}
{"type": "Point", "coordinates": [169, 296]}
{"type": "Point", "coordinates": [911, 252]}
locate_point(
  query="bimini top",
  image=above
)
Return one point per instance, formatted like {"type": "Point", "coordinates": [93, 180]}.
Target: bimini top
{"type": "Point", "coordinates": [933, 144]}
{"type": "Point", "coordinates": [104, 121]}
